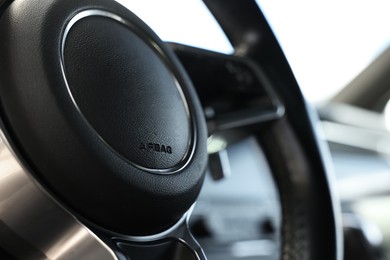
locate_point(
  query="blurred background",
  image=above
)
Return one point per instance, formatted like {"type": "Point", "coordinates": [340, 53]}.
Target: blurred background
{"type": "Point", "coordinates": [338, 51]}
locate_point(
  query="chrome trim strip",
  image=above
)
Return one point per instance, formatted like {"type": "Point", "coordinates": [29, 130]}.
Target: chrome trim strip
{"type": "Point", "coordinates": [36, 219]}
{"type": "Point", "coordinates": [163, 234]}
{"type": "Point", "coordinates": [193, 140]}
{"type": "Point", "coordinates": [180, 231]}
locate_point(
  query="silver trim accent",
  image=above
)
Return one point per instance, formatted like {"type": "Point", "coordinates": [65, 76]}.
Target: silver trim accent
{"type": "Point", "coordinates": [193, 140]}
{"type": "Point", "coordinates": [163, 234]}
{"type": "Point", "coordinates": [31, 218]}
{"type": "Point", "coordinates": [180, 231]}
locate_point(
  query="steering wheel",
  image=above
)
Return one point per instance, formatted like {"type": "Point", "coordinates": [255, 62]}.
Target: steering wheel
{"type": "Point", "coordinates": [104, 137]}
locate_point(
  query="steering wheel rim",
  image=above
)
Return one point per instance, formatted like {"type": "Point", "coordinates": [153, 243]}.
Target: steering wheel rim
{"type": "Point", "coordinates": [311, 221]}
{"type": "Point", "coordinates": [298, 128]}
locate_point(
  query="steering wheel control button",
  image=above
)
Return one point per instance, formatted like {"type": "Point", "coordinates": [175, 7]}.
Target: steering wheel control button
{"type": "Point", "coordinates": [126, 91]}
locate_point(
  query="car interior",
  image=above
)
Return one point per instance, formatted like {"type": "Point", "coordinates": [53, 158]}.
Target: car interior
{"type": "Point", "coordinates": [179, 130]}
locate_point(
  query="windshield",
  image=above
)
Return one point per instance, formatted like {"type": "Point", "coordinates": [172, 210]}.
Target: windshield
{"type": "Point", "coordinates": [328, 43]}
{"type": "Point", "coordinates": [187, 22]}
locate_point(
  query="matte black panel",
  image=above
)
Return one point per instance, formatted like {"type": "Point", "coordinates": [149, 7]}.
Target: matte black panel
{"type": "Point", "coordinates": [127, 93]}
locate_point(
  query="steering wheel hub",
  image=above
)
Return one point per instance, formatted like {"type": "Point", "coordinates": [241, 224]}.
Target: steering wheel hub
{"type": "Point", "coordinates": [121, 82]}
{"type": "Point", "coordinates": [104, 113]}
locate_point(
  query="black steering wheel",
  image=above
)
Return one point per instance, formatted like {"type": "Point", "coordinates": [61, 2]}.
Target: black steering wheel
{"type": "Point", "coordinates": [104, 137]}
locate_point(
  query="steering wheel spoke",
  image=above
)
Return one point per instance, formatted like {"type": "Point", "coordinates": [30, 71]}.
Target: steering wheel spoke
{"type": "Point", "coordinates": [174, 243]}
{"type": "Point", "coordinates": [33, 225]}
{"type": "Point", "coordinates": [20, 227]}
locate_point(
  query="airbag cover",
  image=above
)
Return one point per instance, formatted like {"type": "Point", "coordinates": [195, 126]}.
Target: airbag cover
{"type": "Point", "coordinates": [121, 85]}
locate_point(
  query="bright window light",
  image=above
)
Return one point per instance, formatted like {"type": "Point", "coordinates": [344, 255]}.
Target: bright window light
{"type": "Point", "coordinates": [187, 22]}
{"type": "Point", "coordinates": [328, 43]}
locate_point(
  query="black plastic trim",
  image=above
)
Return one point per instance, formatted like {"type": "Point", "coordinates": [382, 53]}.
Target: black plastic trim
{"type": "Point", "coordinates": [213, 73]}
